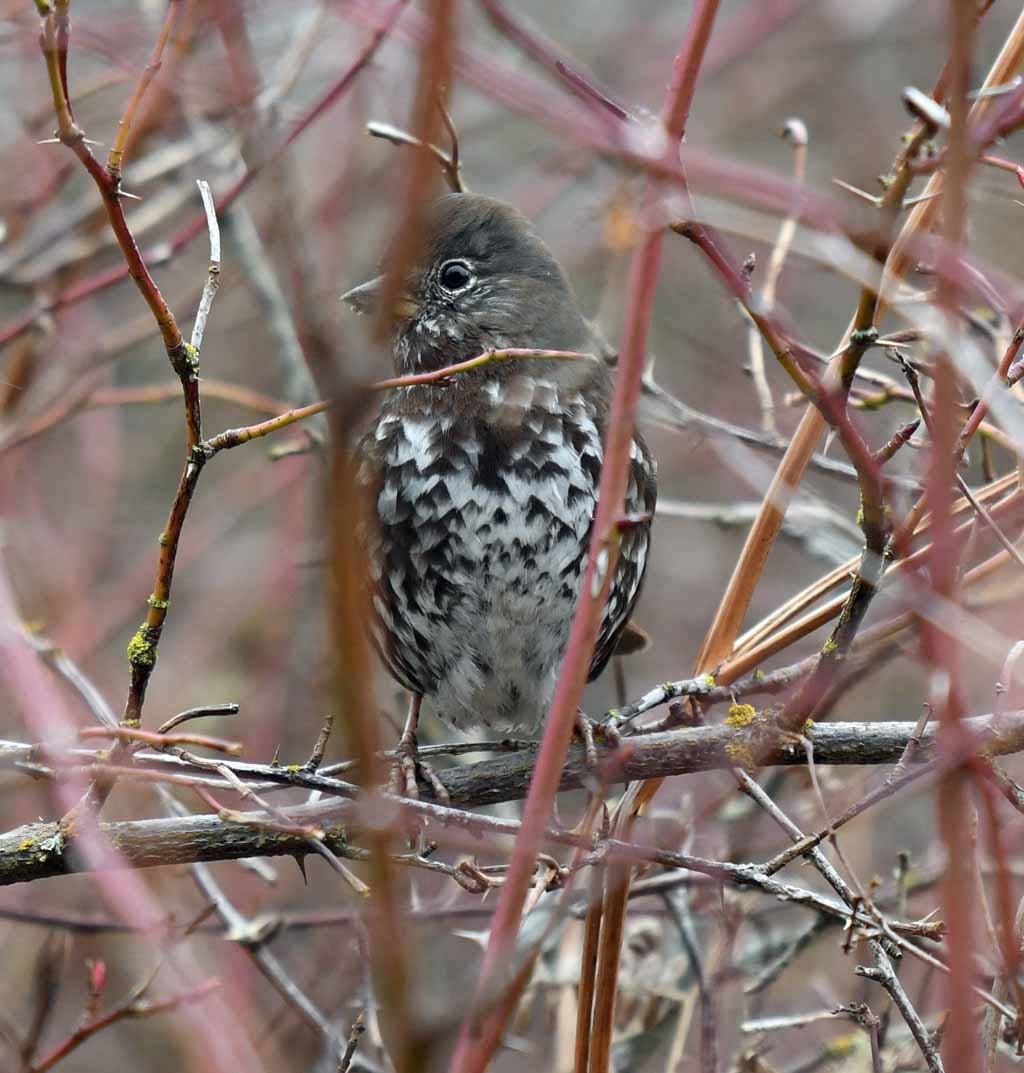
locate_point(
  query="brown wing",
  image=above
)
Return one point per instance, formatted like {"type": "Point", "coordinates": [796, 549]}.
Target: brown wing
{"type": "Point", "coordinates": [641, 498]}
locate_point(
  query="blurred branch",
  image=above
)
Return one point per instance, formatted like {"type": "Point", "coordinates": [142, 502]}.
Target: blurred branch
{"type": "Point", "coordinates": [682, 416]}
{"type": "Point", "coordinates": [256, 263]}
{"type": "Point", "coordinates": [132, 1007]}
{"type": "Point", "coordinates": [829, 395]}
{"type": "Point", "coordinates": [1002, 493]}
{"type": "Point", "coordinates": [795, 131]}
{"type": "Point", "coordinates": [115, 159]}
{"type": "Point", "coordinates": [546, 54]}
{"type": "Point", "coordinates": [383, 25]}
{"type": "Point", "coordinates": [249, 933]}
{"type": "Point", "coordinates": [482, 1029]}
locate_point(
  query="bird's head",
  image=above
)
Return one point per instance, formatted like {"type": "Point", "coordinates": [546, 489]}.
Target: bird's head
{"type": "Point", "coordinates": [483, 280]}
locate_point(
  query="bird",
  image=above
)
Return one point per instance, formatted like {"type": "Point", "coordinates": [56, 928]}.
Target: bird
{"type": "Point", "coordinates": [482, 489]}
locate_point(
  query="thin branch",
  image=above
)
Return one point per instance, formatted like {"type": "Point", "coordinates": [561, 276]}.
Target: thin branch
{"type": "Point", "coordinates": [795, 132]}
{"type": "Point", "coordinates": [213, 273]}
{"type": "Point", "coordinates": [884, 974]}
{"type": "Point", "coordinates": [449, 162]}
{"type": "Point", "coordinates": [115, 159]}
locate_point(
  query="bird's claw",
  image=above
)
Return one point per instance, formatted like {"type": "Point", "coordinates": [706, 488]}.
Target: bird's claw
{"type": "Point", "coordinates": [405, 768]}
{"type": "Point", "coordinates": [589, 730]}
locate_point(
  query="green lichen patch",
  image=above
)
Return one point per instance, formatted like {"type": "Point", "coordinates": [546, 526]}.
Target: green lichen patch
{"type": "Point", "coordinates": [740, 715]}
{"type": "Point", "coordinates": [141, 648]}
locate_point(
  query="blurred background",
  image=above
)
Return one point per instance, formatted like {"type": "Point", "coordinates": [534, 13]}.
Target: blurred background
{"type": "Point", "coordinates": [91, 443]}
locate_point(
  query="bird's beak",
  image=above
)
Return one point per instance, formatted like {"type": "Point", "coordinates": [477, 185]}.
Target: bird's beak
{"type": "Point", "coordinates": [366, 299]}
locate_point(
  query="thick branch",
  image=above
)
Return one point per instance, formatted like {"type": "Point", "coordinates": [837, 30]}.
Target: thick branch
{"type": "Point", "coordinates": [36, 851]}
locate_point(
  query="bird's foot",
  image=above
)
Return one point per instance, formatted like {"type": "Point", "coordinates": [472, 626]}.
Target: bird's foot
{"type": "Point", "coordinates": [407, 765]}
{"type": "Point", "coordinates": [589, 729]}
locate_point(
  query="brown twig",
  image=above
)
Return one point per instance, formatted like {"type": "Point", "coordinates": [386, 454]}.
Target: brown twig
{"type": "Point", "coordinates": [143, 647]}
{"type": "Point", "coordinates": [162, 740]}
{"type": "Point", "coordinates": [884, 974]}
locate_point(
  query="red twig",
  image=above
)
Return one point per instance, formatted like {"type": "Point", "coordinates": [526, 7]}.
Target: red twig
{"type": "Point", "coordinates": [546, 55]}
{"type": "Point", "coordinates": [1007, 933]}
{"type": "Point", "coordinates": [131, 1008]}
{"type": "Point", "coordinates": [960, 1045]}
{"type": "Point", "coordinates": [480, 1034]}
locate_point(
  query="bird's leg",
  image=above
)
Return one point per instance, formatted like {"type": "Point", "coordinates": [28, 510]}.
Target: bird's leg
{"type": "Point", "coordinates": [403, 774]}
{"type": "Point", "coordinates": [588, 729]}
{"type": "Point", "coordinates": [407, 761]}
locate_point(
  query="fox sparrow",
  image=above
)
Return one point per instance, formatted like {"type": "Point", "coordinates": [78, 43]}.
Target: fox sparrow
{"type": "Point", "coordinates": [485, 486]}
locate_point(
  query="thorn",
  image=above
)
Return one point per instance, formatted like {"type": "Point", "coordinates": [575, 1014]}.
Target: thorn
{"type": "Point", "coordinates": [925, 108]}
{"type": "Point", "coordinates": [920, 198]}
{"type": "Point", "coordinates": [902, 337]}
{"type": "Point", "coordinates": [995, 91]}
{"type": "Point", "coordinates": [301, 862]}
{"type": "Point", "coordinates": [133, 197]}
{"type": "Point", "coordinates": [858, 192]}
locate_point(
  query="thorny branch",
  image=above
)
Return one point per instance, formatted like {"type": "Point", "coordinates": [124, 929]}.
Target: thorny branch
{"type": "Point", "coordinates": [935, 545]}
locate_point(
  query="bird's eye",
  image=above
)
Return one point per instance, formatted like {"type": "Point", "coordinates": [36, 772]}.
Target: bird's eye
{"type": "Point", "coordinates": [455, 276]}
